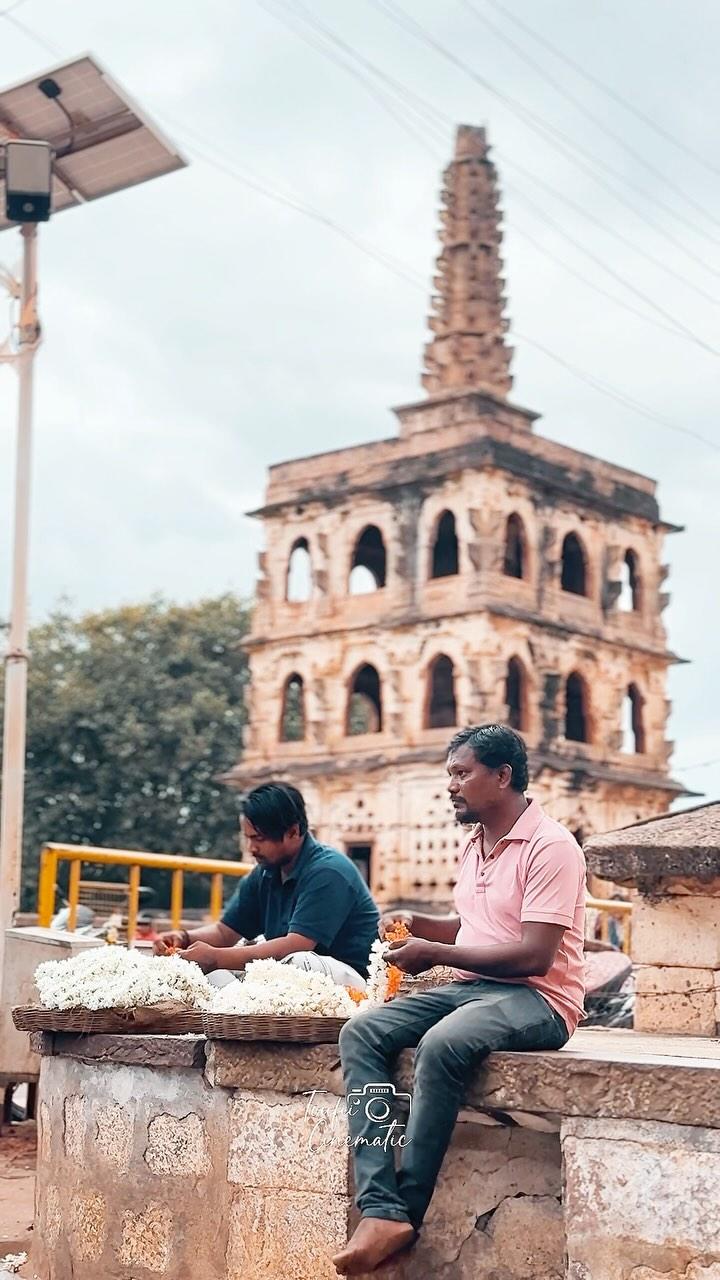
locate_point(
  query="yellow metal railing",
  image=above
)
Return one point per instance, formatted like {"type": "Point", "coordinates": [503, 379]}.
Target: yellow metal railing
{"type": "Point", "coordinates": [176, 864]}
{"type": "Point", "coordinates": [607, 907]}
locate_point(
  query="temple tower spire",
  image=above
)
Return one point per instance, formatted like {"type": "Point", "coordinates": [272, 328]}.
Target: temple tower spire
{"type": "Point", "coordinates": [468, 349]}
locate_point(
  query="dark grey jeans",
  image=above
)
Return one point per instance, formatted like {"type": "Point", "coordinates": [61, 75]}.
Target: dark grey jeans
{"type": "Point", "coordinates": [453, 1027]}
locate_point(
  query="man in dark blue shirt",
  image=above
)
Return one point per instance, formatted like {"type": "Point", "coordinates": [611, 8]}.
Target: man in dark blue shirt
{"type": "Point", "coordinates": [307, 900]}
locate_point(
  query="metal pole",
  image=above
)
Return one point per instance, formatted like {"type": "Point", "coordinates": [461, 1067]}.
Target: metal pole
{"type": "Point", "coordinates": [13, 765]}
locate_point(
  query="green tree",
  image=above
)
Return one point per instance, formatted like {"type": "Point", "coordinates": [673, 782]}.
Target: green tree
{"type": "Point", "coordinates": [132, 716]}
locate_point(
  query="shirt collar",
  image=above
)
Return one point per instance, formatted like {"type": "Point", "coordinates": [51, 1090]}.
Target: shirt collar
{"type": "Point", "coordinates": [524, 829]}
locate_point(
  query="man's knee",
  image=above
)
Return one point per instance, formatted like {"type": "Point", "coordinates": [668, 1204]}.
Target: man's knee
{"type": "Point", "coordinates": [359, 1031]}
{"type": "Point", "coordinates": [444, 1050]}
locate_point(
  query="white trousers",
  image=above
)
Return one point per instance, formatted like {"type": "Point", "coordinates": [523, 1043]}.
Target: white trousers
{"type": "Point", "coordinates": [343, 974]}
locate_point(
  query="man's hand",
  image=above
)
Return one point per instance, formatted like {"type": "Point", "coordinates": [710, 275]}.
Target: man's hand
{"type": "Point", "coordinates": [173, 940]}
{"type": "Point", "coordinates": [389, 918]}
{"type": "Point", "coordinates": [414, 955]}
{"type": "Point", "coordinates": [203, 954]}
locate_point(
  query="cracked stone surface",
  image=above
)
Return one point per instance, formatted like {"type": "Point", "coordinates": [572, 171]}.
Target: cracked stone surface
{"type": "Point", "coordinates": [146, 1238]}
{"type": "Point", "coordinates": [114, 1135]}
{"type": "Point", "coordinates": [293, 1236]}
{"type": "Point", "coordinates": [281, 1143]}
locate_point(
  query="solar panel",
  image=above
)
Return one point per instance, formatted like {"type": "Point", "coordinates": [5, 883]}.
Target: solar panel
{"type": "Point", "coordinates": [105, 145]}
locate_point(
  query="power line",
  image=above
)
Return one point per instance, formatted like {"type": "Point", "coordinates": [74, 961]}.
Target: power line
{"type": "Point", "coordinates": [612, 93]}
{"type": "Point", "coordinates": [674, 326]}
{"type": "Point", "coordinates": [667, 315]}
{"type": "Point", "coordinates": [609, 230]}
{"type": "Point", "coordinates": [627, 401]}
{"type": "Point", "coordinates": [411, 278]}
{"type": "Point", "coordinates": [546, 130]}
{"type": "Point", "coordinates": [580, 106]}
{"type": "Point", "coordinates": [597, 288]}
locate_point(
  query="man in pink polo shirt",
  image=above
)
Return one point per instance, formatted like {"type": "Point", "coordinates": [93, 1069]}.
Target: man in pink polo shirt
{"type": "Point", "coordinates": [515, 943]}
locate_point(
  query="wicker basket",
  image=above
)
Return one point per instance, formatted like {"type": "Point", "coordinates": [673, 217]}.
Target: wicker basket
{"type": "Point", "coordinates": [245, 1026]}
{"type": "Point", "coordinates": [174, 1020]}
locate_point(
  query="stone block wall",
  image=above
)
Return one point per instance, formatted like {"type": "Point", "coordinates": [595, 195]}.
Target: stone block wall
{"type": "Point", "coordinates": [640, 1200]}
{"type": "Point", "coordinates": [147, 1172]}
{"type": "Point", "coordinates": [676, 950]}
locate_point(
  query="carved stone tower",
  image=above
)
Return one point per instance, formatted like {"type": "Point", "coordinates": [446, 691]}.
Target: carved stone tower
{"type": "Point", "coordinates": [465, 570]}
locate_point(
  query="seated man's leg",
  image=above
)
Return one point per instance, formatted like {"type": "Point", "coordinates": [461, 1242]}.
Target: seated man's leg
{"type": "Point", "coordinates": [494, 1016]}
{"type": "Point", "coordinates": [369, 1044]}
{"type": "Point", "coordinates": [343, 974]}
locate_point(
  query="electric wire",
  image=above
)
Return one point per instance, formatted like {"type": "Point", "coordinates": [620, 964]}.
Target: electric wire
{"type": "Point", "coordinates": [412, 279]}
{"type": "Point", "coordinates": [599, 84]}
{"type": "Point", "coordinates": [549, 132]}
{"type": "Point", "coordinates": [676, 325]}
{"type": "Point", "coordinates": [527, 58]}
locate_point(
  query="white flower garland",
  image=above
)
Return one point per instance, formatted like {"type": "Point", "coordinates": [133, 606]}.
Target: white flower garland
{"type": "Point", "coordinates": [377, 983]}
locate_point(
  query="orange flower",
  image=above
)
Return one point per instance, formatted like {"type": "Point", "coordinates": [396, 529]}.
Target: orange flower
{"type": "Point", "coordinates": [357, 996]}
{"type": "Point", "coordinates": [395, 977]}
{"type": "Point", "coordinates": [397, 932]}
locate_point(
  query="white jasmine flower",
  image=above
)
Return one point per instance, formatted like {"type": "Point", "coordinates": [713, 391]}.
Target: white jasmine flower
{"type": "Point", "coordinates": [116, 978]}
{"type": "Point", "coordinates": [270, 987]}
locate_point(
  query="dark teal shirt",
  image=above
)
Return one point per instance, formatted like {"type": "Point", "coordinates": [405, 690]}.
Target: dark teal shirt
{"type": "Point", "coordinates": [324, 898]}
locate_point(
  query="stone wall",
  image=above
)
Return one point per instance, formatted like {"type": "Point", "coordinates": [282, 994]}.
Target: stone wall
{"type": "Point", "coordinates": [229, 1161]}
{"type": "Point", "coordinates": [147, 1172]}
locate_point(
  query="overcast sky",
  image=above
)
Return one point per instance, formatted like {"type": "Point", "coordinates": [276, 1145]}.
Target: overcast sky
{"type": "Point", "coordinates": [196, 331]}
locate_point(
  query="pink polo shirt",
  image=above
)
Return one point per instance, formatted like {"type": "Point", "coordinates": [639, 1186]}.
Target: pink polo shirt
{"type": "Point", "coordinates": [535, 872]}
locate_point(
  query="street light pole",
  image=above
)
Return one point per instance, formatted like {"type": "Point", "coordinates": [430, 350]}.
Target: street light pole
{"type": "Point", "coordinates": [14, 728]}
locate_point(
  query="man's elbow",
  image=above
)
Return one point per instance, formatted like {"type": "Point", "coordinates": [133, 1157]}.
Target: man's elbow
{"type": "Point", "coordinates": [538, 964]}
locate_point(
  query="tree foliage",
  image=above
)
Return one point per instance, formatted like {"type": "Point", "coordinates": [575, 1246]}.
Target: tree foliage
{"type": "Point", "coordinates": [132, 715]}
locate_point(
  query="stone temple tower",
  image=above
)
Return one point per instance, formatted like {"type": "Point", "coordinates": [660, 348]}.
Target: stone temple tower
{"type": "Point", "coordinates": [465, 570]}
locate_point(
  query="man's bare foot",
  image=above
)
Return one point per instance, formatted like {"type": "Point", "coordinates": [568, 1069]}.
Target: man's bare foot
{"type": "Point", "coordinates": [373, 1242]}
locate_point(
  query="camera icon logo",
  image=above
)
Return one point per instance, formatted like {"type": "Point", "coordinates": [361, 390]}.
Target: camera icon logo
{"type": "Point", "coordinates": [378, 1101]}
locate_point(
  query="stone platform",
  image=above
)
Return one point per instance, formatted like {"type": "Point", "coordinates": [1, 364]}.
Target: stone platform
{"type": "Point", "coordinates": [167, 1156]}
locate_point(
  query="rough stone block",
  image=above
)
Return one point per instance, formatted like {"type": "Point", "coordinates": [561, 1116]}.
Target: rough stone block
{"type": "Point", "coordinates": [490, 1165]}
{"type": "Point", "coordinates": [177, 1147]}
{"type": "Point", "coordinates": [114, 1135]}
{"type": "Point", "coordinates": [132, 1050]}
{"type": "Point", "coordinates": [146, 1238]}
{"type": "Point", "coordinates": [75, 1128]}
{"type": "Point", "coordinates": [675, 999]}
{"type": "Point", "coordinates": [292, 1235]}
{"type": "Point", "coordinates": [294, 1144]}
{"type": "Point", "coordinates": [88, 1226]}
{"type": "Point", "coordinates": [677, 931]}
{"type": "Point", "coordinates": [637, 1194]}
{"type": "Point", "coordinates": [294, 1069]}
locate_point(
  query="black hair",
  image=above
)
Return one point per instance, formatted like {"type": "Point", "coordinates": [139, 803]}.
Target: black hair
{"type": "Point", "coordinates": [274, 808]}
{"type": "Point", "coordinates": [494, 745]}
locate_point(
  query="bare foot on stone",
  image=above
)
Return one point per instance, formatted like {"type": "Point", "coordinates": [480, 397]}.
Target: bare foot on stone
{"type": "Point", "coordinates": [374, 1242]}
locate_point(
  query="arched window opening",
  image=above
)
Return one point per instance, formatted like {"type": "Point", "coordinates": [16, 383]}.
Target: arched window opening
{"type": "Point", "coordinates": [292, 720]}
{"type": "Point", "coordinates": [574, 573]}
{"type": "Point", "coordinates": [299, 575]}
{"type": "Point", "coordinates": [441, 707]}
{"type": "Point", "coordinates": [633, 728]}
{"type": "Point", "coordinates": [576, 717]}
{"type": "Point", "coordinates": [515, 694]}
{"type": "Point", "coordinates": [514, 563]}
{"type": "Point", "coordinates": [368, 568]}
{"type": "Point", "coordinates": [445, 548]}
{"type": "Point", "coordinates": [365, 702]}
{"type": "Point", "coordinates": [629, 598]}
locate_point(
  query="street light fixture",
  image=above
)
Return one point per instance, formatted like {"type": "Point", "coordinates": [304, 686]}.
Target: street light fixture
{"type": "Point", "coordinates": [67, 137]}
